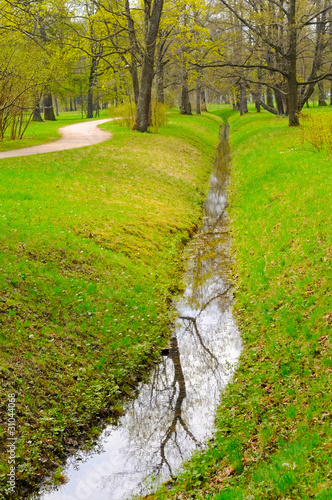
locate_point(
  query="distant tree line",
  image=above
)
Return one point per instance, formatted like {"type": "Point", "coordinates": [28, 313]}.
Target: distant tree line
{"type": "Point", "coordinates": [86, 55]}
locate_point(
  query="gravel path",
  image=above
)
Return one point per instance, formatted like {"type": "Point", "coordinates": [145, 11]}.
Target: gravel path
{"type": "Point", "coordinates": [73, 136]}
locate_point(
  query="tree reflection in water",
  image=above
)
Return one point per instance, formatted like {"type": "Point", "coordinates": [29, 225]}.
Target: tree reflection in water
{"type": "Point", "coordinates": [174, 413]}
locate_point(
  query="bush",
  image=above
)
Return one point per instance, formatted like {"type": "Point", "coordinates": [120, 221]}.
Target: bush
{"type": "Point", "coordinates": [126, 113]}
{"type": "Point", "coordinates": [317, 130]}
{"type": "Point", "coordinates": [158, 116]}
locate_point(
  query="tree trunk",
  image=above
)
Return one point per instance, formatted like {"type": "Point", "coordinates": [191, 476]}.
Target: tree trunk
{"type": "Point", "coordinates": [268, 108]}
{"type": "Point", "coordinates": [291, 60]}
{"type": "Point", "coordinates": [279, 102]}
{"type": "Point", "coordinates": [293, 118]}
{"type": "Point", "coordinates": [243, 99]}
{"type": "Point", "coordinates": [116, 97]}
{"type": "Point", "coordinates": [92, 82]}
{"type": "Point", "coordinates": [269, 98]}
{"type": "Point", "coordinates": [56, 106]}
{"type": "Point", "coordinates": [257, 95]}
{"type": "Point", "coordinates": [198, 97]}
{"type": "Point", "coordinates": [143, 111]}
{"type": "Point", "coordinates": [160, 81]}
{"type": "Point", "coordinates": [89, 113]}
{"type": "Point", "coordinates": [203, 100]}
{"type": "Point", "coordinates": [236, 100]}
{"type": "Point", "coordinates": [284, 99]}
{"type": "Point", "coordinates": [185, 106]}
{"type": "Point", "coordinates": [134, 79]}
{"type": "Point", "coordinates": [133, 52]}
{"type": "Point", "coordinates": [237, 106]}
{"type": "Point", "coordinates": [71, 105]}
{"type": "Point", "coordinates": [97, 108]}
{"type": "Point", "coordinates": [48, 108]}
{"type": "Point", "coordinates": [37, 117]}
{"type": "Point", "coordinates": [322, 95]}
{"type": "Point", "coordinates": [321, 28]}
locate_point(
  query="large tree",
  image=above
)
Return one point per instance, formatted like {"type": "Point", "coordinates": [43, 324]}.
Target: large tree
{"type": "Point", "coordinates": [152, 15]}
{"type": "Point", "coordinates": [276, 33]}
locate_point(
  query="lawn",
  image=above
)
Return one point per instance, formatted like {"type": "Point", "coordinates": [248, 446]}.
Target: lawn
{"type": "Point", "coordinates": [91, 244]}
{"type": "Point", "coordinates": [274, 434]}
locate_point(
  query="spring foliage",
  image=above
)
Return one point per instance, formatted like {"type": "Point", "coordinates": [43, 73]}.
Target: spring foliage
{"type": "Point", "coordinates": [317, 130]}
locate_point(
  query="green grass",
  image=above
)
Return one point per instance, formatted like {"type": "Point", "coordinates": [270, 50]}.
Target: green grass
{"type": "Point", "coordinates": [274, 434]}
{"type": "Point", "coordinates": [42, 132]}
{"type": "Point", "coordinates": [90, 258]}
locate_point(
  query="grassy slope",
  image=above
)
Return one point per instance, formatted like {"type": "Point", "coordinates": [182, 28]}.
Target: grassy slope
{"type": "Point", "coordinates": [274, 434]}
{"type": "Point", "coordinates": [90, 243]}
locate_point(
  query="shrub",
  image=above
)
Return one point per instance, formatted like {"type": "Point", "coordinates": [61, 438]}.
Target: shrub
{"type": "Point", "coordinates": [125, 112]}
{"type": "Point", "coordinates": [317, 130]}
{"type": "Point", "coordinates": [158, 116]}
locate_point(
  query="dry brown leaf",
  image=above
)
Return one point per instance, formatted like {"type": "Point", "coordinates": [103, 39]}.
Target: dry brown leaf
{"type": "Point", "coordinates": [223, 474]}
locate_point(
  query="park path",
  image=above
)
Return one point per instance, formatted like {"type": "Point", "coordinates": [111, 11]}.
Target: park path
{"type": "Point", "coordinates": [73, 136]}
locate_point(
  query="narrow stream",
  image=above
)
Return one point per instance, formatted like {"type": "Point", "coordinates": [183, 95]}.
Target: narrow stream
{"type": "Point", "coordinates": [174, 413]}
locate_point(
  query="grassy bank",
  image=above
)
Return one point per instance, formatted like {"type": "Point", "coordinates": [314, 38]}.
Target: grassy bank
{"type": "Point", "coordinates": [90, 243]}
{"type": "Point", "coordinates": [274, 434]}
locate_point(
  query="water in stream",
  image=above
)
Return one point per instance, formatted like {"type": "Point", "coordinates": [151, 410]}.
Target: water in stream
{"type": "Point", "coordinates": [173, 413]}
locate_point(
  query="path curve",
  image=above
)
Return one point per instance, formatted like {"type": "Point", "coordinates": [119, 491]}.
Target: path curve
{"type": "Point", "coordinates": [74, 136]}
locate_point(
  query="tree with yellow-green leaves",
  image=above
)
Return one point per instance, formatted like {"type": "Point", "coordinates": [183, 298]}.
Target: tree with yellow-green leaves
{"type": "Point", "coordinates": [114, 38]}
{"type": "Point", "coordinates": [184, 40]}
{"type": "Point", "coordinates": [33, 36]}
{"type": "Point", "coordinates": [19, 82]}
{"type": "Point", "coordinates": [276, 34]}
{"type": "Point", "coordinates": [123, 48]}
